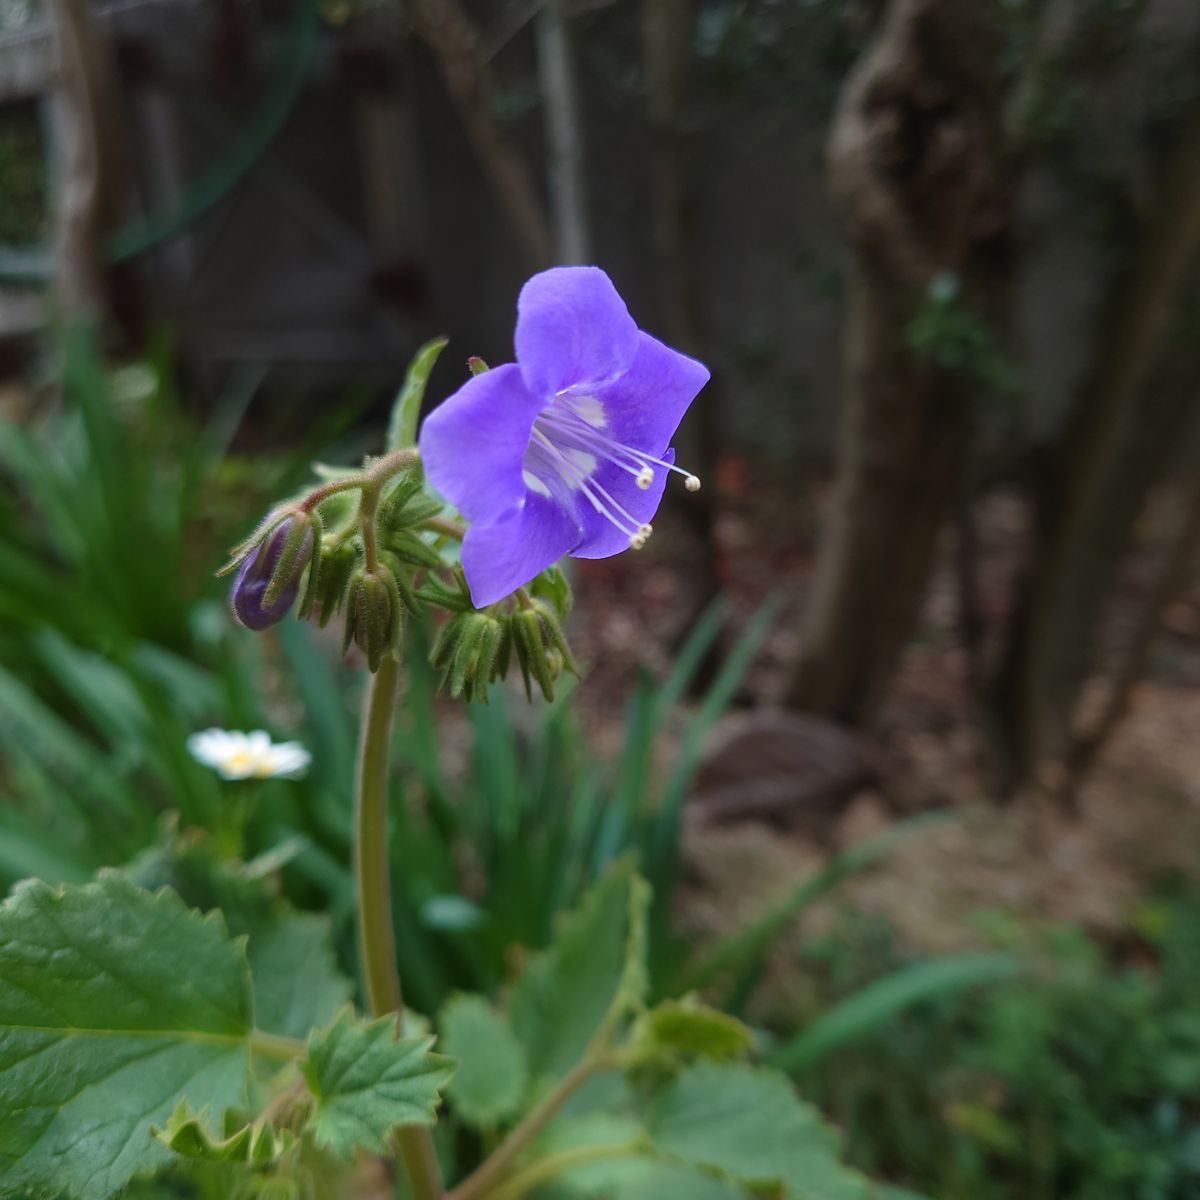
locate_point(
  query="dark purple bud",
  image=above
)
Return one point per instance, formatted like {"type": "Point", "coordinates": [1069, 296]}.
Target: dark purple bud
{"type": "Point", "coordinates": [268, 581]}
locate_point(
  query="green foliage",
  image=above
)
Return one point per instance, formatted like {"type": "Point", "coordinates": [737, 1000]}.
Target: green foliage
{"type": "Point", "coordinates": [875, 1005]}
{"type": "Point", "coordinates": [406, 411]}
{"type": "Point", "coordinates": [1078, 1081]}
{"type": "Point", "coordinates": [748, 1124]}
{"type": "Point", "coordinates": [252, 1144]}
{"type": "Point", "coordinates": [366, 1082]}
{"type": "Point", "coordinates": [688, 1029]}
{"type": "Point", "coordinates": [281, 944]}
{"type": "Point", "coordinates": [689, 1120]}
{"type": "Point", "coordinates": [951, 334]}
{"type": "Point", "coordinates": [490, 1080]}
{"type": "Point", "coordinates": [592, 970]}
{"type": "Point", "coordinates": [113, 1004]}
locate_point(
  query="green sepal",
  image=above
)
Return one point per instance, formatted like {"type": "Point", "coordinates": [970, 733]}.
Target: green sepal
{"type": "Point", "coordinates": [371, 615]}
{"type": "Point", "coordinates": [262, 531]}
{"type": "Point", "coordinates": [293, 556]}
{"type": "Point", "coordinates": [412, 550]}
{"type": "Point", "coordinates": [333, 580]}
{"type": "Point", "coordinates": [551, 585]}
{"type": "Point", "coordinates": [557, 637]}
{"type": "Point", "coordinates": [308, 596]}
{"type": "Point", "coordinates": [254, 1143]}
{"type": "Point", "coordinates": [476, 365]}
{"type": "Point", "coordinates": [406, 411]}
{"type": "Point", "coordinates": [528, 627]}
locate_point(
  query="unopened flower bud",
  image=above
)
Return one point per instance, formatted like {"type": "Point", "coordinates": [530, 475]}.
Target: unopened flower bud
{"type": "Point", "coordinates": [374, 615]}
{"type": "Point", "coordinates": [269, 578]}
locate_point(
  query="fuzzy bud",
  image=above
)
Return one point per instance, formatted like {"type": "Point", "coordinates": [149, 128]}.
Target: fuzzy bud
{"type": "Point", "coordinates": [374, 615]}
{"type": "Point", "coordinates": [268, 580]}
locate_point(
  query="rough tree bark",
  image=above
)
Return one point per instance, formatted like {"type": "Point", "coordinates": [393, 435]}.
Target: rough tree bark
{"type": "Point", "coordinates": [919, 175]}
{"type": "Point", "coordinates": [83, 109]}
{"type": "Point", "coordinates": [1113, 451]}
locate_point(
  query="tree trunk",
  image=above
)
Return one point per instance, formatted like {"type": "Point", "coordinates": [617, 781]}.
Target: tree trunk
{"type": "Point", "coordinates": [85, 130]}
{"type": "Point", "coordinates": [448, 30]}
{"type": "Point", "coordinates": [918, 172]}
{"type": "Point", "coordinates": [1113, 451]}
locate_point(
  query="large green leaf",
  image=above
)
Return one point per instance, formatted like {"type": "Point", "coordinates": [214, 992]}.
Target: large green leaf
{"type": "Point", "coordinates": [750, 1125]}
{"type": "Point", "coordinates": [490, 1078]}
{"type": "Point", "coordinates": [608, 1157]}
{"type": "Point", "coordinates": [597, 960]}
{"type": "Point", "coordinates": [297, 984]}
{"type": "Point", "coordinates": [366, 1082]}
{"type": "Point", "coordinates": [114, 1004]}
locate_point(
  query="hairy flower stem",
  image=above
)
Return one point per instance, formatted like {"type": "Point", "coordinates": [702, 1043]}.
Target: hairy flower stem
{"type": "Point", "coordinates": [377, 472]}
{"type": "Point", "coordinates": [376, 939]}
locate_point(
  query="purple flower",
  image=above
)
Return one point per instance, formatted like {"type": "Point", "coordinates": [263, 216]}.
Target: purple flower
{"type": "Point", "coordinates": [254, 576]}
{"type": "Point", "coordinates": [564, 451]}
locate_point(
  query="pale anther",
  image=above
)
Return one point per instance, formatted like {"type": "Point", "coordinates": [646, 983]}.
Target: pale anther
{"type": "Point", "coordinates": [645, 478]}
{"type": "Point", "coordinates": [692, 483]}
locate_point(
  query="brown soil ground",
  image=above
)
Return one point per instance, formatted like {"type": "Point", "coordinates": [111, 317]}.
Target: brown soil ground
{"type": "Point", "coordinates": [1138, 814]}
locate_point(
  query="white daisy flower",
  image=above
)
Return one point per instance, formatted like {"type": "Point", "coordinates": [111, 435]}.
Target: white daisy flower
{"type": "Point", "coordinates": [236, 755]}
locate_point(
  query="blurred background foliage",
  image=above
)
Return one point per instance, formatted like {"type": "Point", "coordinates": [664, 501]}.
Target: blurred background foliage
{"type": "Point", "coordinates": [899, 722]}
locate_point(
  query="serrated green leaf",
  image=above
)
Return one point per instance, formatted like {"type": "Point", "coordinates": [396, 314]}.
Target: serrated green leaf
{"type": "Point", "coordinates": [406, 411]}
{"type": "Point", "coordinates": [690, 1029]}
{"type": "Point", "coordinates": [297, 984]}
{"type": "Point", "coordinates": [114, 1003]}
{"type": "Point", "coordinates": [597, 955]}
{"type": "Point", "coordinates": [490, 1079]}
{"type": "Point", "coordinates": [283, 946]}
{"type": "Point", "coordinates": [187, 1134]}
{"type": "Point", "coordinates": [749, 1124]}
{"type": "Point", "coordinates": [611, 1158]}
{"type": "Point", "coordinates": [366, 1082]}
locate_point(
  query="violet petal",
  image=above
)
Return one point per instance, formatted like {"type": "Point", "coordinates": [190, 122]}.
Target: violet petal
{"type": "Point", "coordinates": [572, 328]}
{"type": "Point", "coordinates": [500, 557]}
{"type": "Point", "coordinates": [472, 444]}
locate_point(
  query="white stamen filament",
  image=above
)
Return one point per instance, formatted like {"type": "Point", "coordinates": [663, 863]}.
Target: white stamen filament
{"type": "Point", "coordinates": [575, 443]}
{"type": "Point", "coordinates": [598, 496]}
{"type": "Point", "coordinates": [636, 462]}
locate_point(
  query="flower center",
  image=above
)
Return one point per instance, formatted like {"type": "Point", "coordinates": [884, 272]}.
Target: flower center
{"type": "Point", "coordinates": [568, 446]}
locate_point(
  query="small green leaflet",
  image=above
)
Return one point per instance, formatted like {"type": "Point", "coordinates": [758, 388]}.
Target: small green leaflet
{"type": "Point", "coordinates": [749, 1125]}
{"type": "Point", "coordinates": [188, 1135]}
{"type": "Point", "coordinates": [490, 1078]}
{"type": "Point", "coordinates": [688, 1029]}
{"type": "Point", "coordinates": [406, 410]}
{"type": "Point", "coordinates": [597, 958]}
{"type": "Point", "coordinates": [366, 1083]}
{"type": "Point", "coordinates": [114, 1003]}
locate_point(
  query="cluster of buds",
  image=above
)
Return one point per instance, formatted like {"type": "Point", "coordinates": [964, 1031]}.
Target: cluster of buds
{"type": "Point", "coordinates": [373, 549]}
{"type": "Point", "coordinates": [476, 648]}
